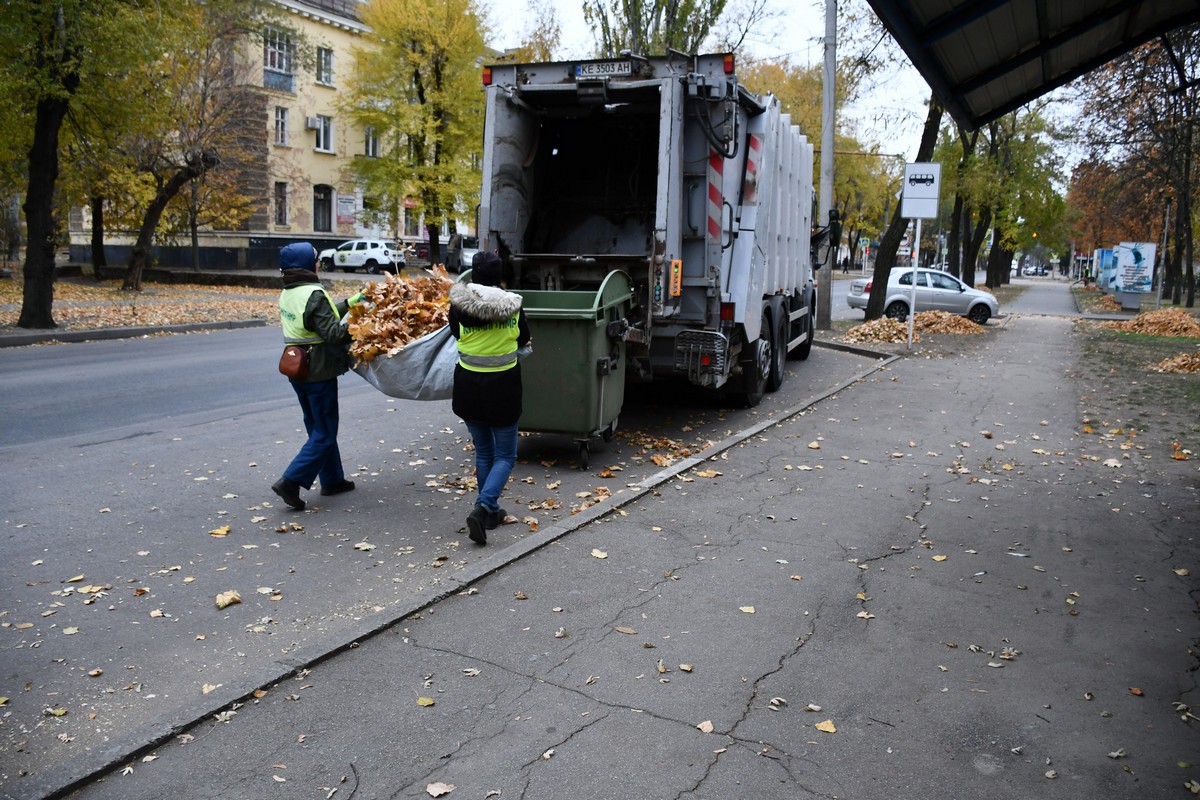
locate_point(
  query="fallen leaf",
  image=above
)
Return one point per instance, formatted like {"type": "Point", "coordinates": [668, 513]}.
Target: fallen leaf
{"type": "Point", "coordinates": [438, 789]}
{"type": "Point", "coordinates": [1136, 692]}
{"type": "Point", "coordinates": [746, 609]}
{"type": "Point", "coordinates": [221, 531]}
{"type": "Point", "coordinates": [827, 726]}
{"type": "Point", "coordinates": [706, 726]}
{"type": "Point", "coordinates": [814, 445]}
{"type": "Point", "coordinates": [625, 630]}
{"type": "Point", "coordinates": [1182, 572]}
{"type": "Point", "coordinates": [225, 599]}
{"type": "Point", "coordinates": [425, 702]}
{"type": "Point", "coordinates": [940, 558]}
{"type": "Point", "coordinates": [597, 553]}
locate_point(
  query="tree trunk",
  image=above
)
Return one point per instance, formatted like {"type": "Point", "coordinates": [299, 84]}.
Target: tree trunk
{"type": "Point", "coordinates": [975, 244]}
{"type": "Point", "coordinates": [38, 298]}
{"type": "Point", "coordinates": [140, 258]}
{"type": "Point", "coordinates": [99, 262]}
{"type": "Point", "coordinates": [890, 241]}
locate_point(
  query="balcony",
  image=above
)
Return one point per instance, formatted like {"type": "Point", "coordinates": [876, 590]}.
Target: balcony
{"type": "Point", "coordinates": [279, 81]}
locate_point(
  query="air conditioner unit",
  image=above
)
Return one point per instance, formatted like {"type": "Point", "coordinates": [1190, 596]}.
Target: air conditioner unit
{"type": "Point", "coordinates": [312, 123]}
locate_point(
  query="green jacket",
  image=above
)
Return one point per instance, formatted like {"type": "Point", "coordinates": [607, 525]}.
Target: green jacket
{"type": "Point", "coordinates": [320, 323]}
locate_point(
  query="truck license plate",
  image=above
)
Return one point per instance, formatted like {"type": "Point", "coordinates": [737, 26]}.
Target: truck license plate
{"type": "Point", "coordinates": [603, 69]}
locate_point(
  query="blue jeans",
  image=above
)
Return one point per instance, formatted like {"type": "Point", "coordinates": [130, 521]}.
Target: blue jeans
{"type": "Point", "coordinates": [319, 457]}
{"type": "Point", "coordinates": [495, 454]}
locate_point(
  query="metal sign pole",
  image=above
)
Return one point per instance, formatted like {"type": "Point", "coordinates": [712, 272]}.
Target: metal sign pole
{"type": "Point", "coordinates": [912, 305]}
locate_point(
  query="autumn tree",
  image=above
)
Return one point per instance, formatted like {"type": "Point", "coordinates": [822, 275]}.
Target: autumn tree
{"type": "Point", "coordinates": [205, 106]}
{"type": "Point", "coordinates": [54, 50]}
{"type": "Point", "coordinates": [1139, 119]}
{"type": "Point", "coordinates": [653, 27]}
{"type": "Point", "coordinates": [542, 37]}
{"type": "Point", "coordinates": [418, 87]}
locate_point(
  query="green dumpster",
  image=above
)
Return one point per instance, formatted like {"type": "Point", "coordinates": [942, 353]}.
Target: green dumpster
{"type": "Point", "coordinates": [574, 382]}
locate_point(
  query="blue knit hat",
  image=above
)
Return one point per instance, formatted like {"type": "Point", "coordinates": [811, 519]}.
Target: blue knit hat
{"type": "Point", "coordinates": [299, 255]}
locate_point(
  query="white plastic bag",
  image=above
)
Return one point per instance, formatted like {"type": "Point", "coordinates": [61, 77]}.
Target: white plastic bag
{"type": "Point", "coordinates": [423, 370]}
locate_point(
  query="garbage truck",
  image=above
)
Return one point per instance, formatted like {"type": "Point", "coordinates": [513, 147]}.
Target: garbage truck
{"type": "Point", "coordinates": [670, 171]}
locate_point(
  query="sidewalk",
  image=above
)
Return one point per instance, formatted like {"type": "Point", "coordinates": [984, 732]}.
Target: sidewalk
{"type": "Point", "coordinates": [929, 585]}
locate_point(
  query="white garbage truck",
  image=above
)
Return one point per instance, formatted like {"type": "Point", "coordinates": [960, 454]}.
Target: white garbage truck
{"type": "Point", "coordinates": [668, 170]}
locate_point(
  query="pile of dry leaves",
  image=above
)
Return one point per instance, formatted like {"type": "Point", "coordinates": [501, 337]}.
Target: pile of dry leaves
{"type": "Point", "coordinates": [893, 331]}
{"type": "Point", "coordinates": [397, 311]}
{"type": "Point", "coordinates": [1185, 362]}
{"type": "Point", "coordinates": [1161, 322]}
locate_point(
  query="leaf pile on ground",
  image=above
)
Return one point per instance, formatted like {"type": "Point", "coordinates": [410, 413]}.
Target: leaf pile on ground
{"type": "Point", "coordinates": [895, 332]}
{"type": "Point", "coordinates": [1184, 362]}
{"type": "Point", "coordinates": [1108, 303]}
{"type": "Point", "coordinates": [882, 330]}
{"type": "Point", "coordinates": [397, 311]}
{"type": "Point", "coordinates": [944, 322]}
{"type": "Point", "coordinates": [84, 306]}
{"type": "Point", "coordinates": [1160, 322]}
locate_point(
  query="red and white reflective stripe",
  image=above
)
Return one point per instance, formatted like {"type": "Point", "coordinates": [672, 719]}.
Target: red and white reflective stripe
{"type": "Point", "coordinates": [750, 188]}
{"type": "Point", "coordinates": [716, 193]}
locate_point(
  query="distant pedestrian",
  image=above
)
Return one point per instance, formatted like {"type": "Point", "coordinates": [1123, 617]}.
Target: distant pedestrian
{"type": "Point", "coordinates": [311, 319]}
{"type": "Point", "coordinates": [490, 327]}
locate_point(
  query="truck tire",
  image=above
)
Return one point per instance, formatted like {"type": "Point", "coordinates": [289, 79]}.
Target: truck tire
{"type": "Point", "coordinates": [372, 267]}
{"type": "Point", "coordinates": [755, 372]}
{"type": "Point", "coordinates": [779, 340]}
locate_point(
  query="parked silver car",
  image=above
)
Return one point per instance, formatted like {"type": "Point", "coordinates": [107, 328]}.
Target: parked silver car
{"type": "Point", "coordinates": [936, 291]}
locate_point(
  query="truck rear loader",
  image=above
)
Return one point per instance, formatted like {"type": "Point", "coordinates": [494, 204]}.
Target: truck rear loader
{"type": "Point", "coordinates": [668, 170]}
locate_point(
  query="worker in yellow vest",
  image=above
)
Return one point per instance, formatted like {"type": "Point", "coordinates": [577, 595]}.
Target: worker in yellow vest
{"type": "Point", "coordinates": [312, 320]}
{"type": "Point", "coordinates": [491, 328]}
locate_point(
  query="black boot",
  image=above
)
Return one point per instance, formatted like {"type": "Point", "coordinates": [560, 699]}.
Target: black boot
{"type": "Point", "coordinates": [289, 491]}
{"type": "Point", "coordinates": [496, 518]}
{"type": "Point", "coordinates": [477, 525]}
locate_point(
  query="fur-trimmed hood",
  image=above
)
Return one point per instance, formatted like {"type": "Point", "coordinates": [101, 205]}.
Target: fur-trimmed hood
{"type": "Point", "coordinates": [485, 303]}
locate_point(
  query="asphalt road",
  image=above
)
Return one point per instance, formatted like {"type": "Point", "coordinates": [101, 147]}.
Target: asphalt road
{"type": "Point", "coordinates": [931, 584]}
{"type": "Point", "coordinates": [125, 456]}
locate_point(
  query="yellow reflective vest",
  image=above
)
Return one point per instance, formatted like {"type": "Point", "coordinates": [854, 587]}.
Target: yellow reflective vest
{"type": "Point", "coordinates": [292, 302]}
{"type": "Point", "coordinates": [491, 347]}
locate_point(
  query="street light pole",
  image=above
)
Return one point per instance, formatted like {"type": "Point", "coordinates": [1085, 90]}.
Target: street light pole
{"type": "Point", "coordinates": [825, 276]}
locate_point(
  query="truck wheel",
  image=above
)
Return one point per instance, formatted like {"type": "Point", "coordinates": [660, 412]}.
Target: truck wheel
{"type": "Point", "coordinates": [755, 373]}
{"type": "Point", "coordinates": [373, 267]}
{"type": "Point", "coordinates": [779, 336]}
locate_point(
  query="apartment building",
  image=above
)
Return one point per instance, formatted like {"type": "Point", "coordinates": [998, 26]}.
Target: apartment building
{"type": "Point", "coordinates": [297, 165]}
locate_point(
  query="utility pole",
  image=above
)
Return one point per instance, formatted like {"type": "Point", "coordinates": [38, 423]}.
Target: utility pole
{"type": "Point", "coordinates": [825, 275]}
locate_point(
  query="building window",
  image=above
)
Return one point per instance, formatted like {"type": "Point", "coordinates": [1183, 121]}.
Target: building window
{"type": "Point", "coordinates": [324, 133]}
{"type": "Point", "coordinates": [323, 208]}
{"type": "Point", "coordinates": [281, 125]}
{"type": "Point", "coordinates": [279, 54]}
{"type": "Point", "coordinates": [324, 66]}
{"type": "Point", "coordinates": [372, 142]}
{"type": "Point", "coordinates": [281, 203]}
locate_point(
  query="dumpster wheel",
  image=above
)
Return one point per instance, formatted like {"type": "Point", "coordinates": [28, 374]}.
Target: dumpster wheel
{"type": "Point", "coordinates": [582, 458]}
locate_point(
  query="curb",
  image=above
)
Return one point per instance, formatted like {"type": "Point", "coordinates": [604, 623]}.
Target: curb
{"type": "Point", "coordinates": [96, 334]}
{"type": "Point", "coordinates": [160, 731]}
